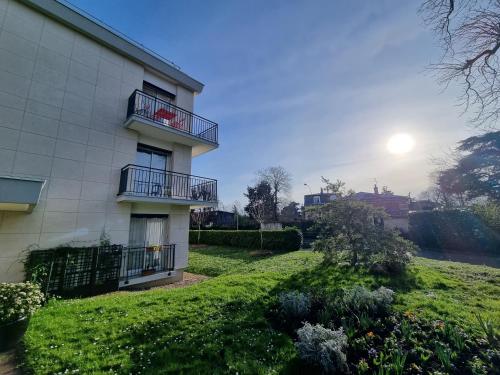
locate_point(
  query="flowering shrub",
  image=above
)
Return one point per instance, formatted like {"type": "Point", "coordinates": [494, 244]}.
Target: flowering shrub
{"type": "Point", "coordinates": [323, 347]}
{"type": "Point", "coordinates": [294, 305]}
{"type": "Point", "coordinates": [19, 300]}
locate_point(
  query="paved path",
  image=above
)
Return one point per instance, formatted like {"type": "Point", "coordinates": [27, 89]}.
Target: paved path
{"type": "Point", "coordinates": [8, 364]}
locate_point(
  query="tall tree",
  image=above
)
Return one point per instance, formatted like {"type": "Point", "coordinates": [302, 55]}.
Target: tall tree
{"type": "Point", "coordinates": [260, 197]}
{"type": "Point", "coordinates": [476, 170]}
{"type": "Point", "coordinates": [280, 181]}
{"type": "Point", "coordinates": [469, 31]}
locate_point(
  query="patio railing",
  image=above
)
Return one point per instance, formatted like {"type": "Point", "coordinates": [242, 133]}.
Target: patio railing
{"type": "Point", "coordinates": [144, 261]}
{"type": "Point", "coordinates": [156, 183]}
{"type": "Point", "coordinates": [164, 113]}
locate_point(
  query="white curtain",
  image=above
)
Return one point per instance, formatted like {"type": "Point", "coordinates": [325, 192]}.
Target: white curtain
{"type": "Point", "coordinates": [148, 231]}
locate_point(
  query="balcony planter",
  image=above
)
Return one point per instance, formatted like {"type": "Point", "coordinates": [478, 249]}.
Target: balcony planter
{"type": "Point", "coordinates": [11, 333]}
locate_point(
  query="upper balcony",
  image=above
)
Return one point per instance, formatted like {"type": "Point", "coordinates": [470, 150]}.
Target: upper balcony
{"type": "Point", "coordinates": [162, 120]}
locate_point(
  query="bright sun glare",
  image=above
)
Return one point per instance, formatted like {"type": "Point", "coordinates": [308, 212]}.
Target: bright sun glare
{"type": "Point", "coordinates": [400, 144]}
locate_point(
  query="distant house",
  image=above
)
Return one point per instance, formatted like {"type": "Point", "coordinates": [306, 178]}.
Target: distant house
{"type": "Point", "coordinates": [311, 200]}
{"type": "Point", "coordinates": [396, 206]}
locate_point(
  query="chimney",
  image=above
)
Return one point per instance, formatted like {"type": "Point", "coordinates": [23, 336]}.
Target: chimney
{"type": "Point", "coordinates": [375, 189]}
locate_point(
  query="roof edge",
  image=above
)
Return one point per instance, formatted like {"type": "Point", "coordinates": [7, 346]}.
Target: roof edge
{"type": "Point", "coordinates": [86, 26]}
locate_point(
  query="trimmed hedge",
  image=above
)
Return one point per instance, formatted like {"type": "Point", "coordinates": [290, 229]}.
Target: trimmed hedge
{"type": "Point", "coordinates": [288, 239]}
{"type": "Point", "coordinates": [453, 230]}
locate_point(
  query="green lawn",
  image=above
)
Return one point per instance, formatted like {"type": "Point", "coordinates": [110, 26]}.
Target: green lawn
{"type": "Point", "coordinates": [219, 326]}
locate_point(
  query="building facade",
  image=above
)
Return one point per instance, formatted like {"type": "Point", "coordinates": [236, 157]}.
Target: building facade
{"type": "Point", "coordinates": [96, 141]}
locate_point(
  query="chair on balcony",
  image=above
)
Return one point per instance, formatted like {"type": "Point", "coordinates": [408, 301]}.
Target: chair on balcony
{"type": "Point", "coordinates": [144, 111]}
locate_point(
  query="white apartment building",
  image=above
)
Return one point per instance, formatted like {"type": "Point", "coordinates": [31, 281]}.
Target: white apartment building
{"type": "Point", "coordinates": [96, 138]}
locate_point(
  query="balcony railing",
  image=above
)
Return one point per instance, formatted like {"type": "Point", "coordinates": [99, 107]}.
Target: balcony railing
{"type": "Point", "coordinates": [156, 183]}
{"type": "Point", "coordinates": [166, 114]}
{"type": "Point", "coordinates": [146, 260]}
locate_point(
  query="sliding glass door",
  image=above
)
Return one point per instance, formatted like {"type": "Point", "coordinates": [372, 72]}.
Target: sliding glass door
{"type": "Point", "coordinates": [152, 179]}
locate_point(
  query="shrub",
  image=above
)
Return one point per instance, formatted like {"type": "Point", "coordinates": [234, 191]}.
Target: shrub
{"type": "Point", "coordinates": [489, 213]}
{"type": "Point", "coordinates": [394, 254]}
{"type": "Point", "coordinates": [288, 239]}
{"type": "Point", "coordinates": [334, 249]}
{"type": "Point", "coordinates": [348, 226]}
{"type": "Point", "coordinates": [360, 300]}
{"type": "Point", "coordinates": [19, 300]}
{"type": "Point", "coordinates": [387, 252]}
{"type": "Point", "coordinates": [456, 230]}
{"type": "Point", "coordinates": [294, 305]}
{"type": "Point", "coordinates": [323, 347]}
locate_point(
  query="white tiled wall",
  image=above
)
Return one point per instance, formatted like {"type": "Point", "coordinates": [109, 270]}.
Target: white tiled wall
{"type": "Point", "coordinates": [63, 100]}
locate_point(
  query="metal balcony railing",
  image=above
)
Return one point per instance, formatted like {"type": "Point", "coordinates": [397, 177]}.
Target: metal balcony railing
{"type": "Point", "coordinates": [156, 183]}
{"type": "Point", "coordinates": [164, 113]}
{"type": "Point", "coordinates": [146, 260]}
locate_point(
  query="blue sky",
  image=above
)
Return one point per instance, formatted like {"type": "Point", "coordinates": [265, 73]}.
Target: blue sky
{"type": "Point", "coordinates": [315, 86]}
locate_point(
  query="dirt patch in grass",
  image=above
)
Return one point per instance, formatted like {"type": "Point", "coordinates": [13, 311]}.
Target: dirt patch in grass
{"type": "Point", "coordinates": [187, 279]}
{"type": "Point", "coordinates": [8, 363]}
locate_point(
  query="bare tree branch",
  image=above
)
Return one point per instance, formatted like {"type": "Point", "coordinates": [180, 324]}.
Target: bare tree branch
{"type": "Point", "coordinates": [469, 31]}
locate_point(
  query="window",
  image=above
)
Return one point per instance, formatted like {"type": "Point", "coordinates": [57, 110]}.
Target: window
{"type": "Point", "coordinates": [157, 92]}
{"type": "Point", "coordinates": [316, 199]}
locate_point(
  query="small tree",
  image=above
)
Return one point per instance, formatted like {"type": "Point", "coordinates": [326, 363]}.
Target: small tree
{"type": "Point", "coordinates": [347, 225]}
{"type": "Point", "coordinates": [257, 210]}
{"type": "Point", "coordinates": [198, 217]}
{"type": "Point", "coordinates": [236, 212]}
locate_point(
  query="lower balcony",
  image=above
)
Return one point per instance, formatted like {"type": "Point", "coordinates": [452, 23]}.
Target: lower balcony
{"type": "Point", "coordinates": [144, 264]}
{"type": "Point", "coordinates": [143, 184]}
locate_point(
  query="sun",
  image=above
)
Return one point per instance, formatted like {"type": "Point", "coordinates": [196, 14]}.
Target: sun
{"type": "Point", "coordinates": [401, 143]}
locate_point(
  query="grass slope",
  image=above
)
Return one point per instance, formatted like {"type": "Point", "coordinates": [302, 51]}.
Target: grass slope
{"type": "Point", "coordinates": [219, 326]}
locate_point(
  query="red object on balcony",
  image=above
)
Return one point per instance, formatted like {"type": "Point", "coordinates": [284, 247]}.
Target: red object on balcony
{"type": "Point", "coordinates": [178, 124]}
{"type": "Point", "coordinates": [162, 113]}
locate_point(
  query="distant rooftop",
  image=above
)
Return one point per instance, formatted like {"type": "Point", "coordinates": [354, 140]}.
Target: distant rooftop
{"type": "Point", "coordinates": [77, 19]}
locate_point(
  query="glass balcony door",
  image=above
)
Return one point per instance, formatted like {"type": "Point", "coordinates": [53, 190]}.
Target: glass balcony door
{"type": "Point", "coordinates": [147, 235]}
{"type": "Point", "coordinates": [152, 180]}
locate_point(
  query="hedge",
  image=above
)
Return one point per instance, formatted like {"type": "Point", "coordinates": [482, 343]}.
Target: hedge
{"type": "Point", "coordinates": [453, 230]}
{"type": "Point", "coordinates": [288, 239]}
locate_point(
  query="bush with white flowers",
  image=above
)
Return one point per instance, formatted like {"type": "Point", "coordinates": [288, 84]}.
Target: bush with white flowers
{"type": "Point", "coordinates": [19, 300]}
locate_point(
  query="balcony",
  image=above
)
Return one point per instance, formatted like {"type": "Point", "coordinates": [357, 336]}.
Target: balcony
{"type": "Point", "coordinates": [162, 120]}
{"type": "Point", "coordinates": [146, 263]}
{"type": "Point", "coordinates": [142, 184]}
